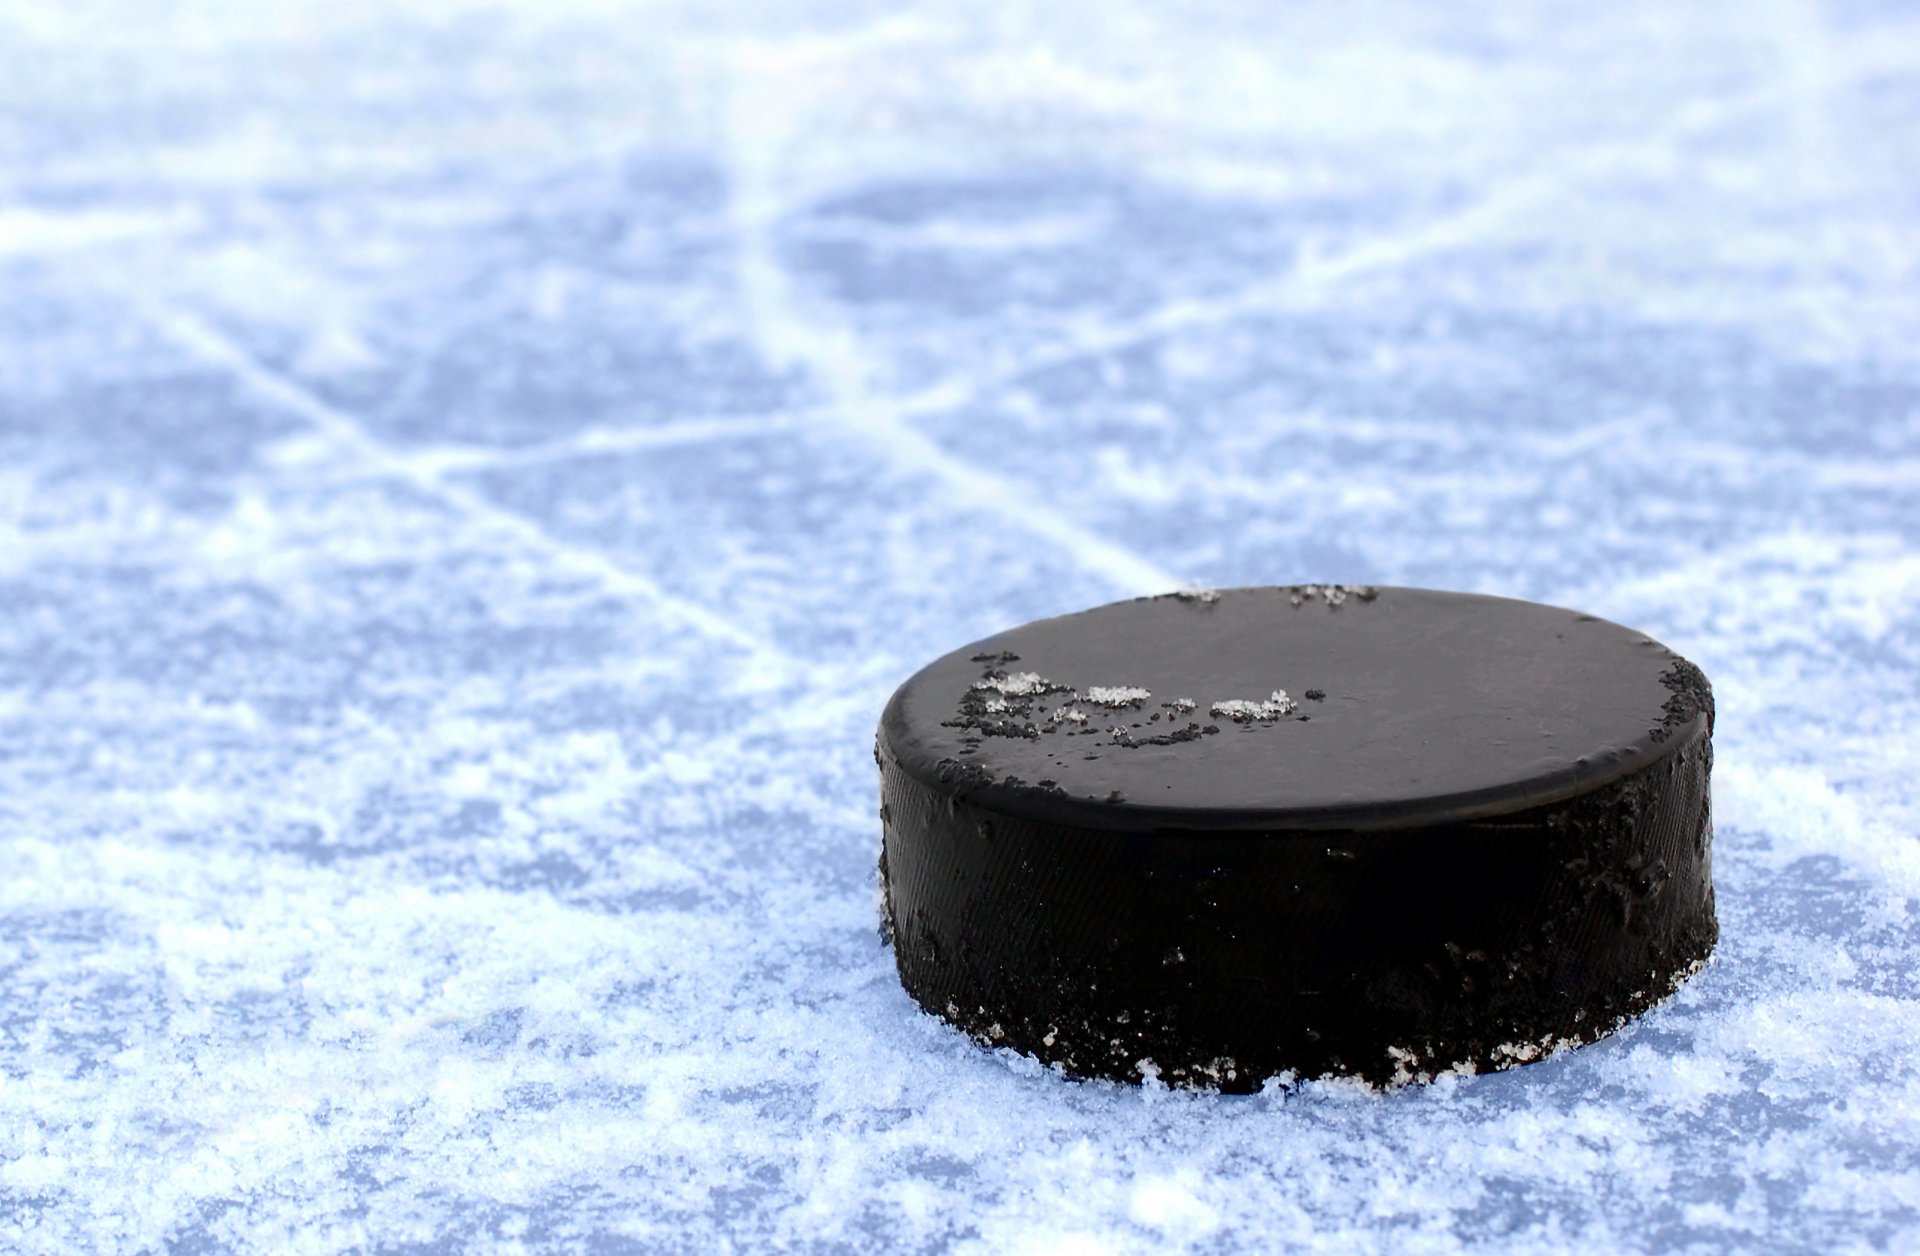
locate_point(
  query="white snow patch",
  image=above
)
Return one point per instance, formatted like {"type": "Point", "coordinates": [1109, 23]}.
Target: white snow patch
{"type": "Point", "coordinates": [1243, 710]}
{"type": "Point", "coordinates": [1116, 696]}
{"type": "Point", "coordinates": [1018, 684]}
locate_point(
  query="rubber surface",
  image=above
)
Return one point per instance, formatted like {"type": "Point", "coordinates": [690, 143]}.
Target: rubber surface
{"type": "Point", "coordinates": [1313, 830]}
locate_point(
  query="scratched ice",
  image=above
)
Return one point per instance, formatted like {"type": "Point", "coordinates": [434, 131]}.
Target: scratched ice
{"type": "Point", "coordinates": [470, 478]}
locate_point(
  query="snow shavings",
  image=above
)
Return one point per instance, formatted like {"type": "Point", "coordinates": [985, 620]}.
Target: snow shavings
{"type": "Point", "coordinates": [1017, 685]}
{"type": "Point", "coordinates": [1333, 595]}
{"type": "Point", "coordinates": [1246, 710]}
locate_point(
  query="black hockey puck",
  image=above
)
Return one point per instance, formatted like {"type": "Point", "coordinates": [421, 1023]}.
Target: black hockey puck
{"type": "Point", "coordinates": [1219, 837]}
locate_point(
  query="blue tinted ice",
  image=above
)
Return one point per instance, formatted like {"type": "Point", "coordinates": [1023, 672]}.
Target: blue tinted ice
{"type": "Point", "coordinates": [470, 478]}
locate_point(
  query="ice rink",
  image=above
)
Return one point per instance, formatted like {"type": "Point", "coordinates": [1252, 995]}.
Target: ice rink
{"type": "Point", "coordinates": [470, 478]}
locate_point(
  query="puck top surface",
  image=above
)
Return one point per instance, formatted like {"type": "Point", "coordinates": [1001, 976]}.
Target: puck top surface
{"type": "Point", "coordinates": [1306, 707]}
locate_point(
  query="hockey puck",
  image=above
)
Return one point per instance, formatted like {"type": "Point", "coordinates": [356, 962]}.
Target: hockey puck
{"type": "Point", "coordinates": [1299, 831]}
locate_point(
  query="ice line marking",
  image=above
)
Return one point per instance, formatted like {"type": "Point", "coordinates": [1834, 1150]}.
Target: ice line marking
{"type": "Point", "coordinates": [1381, 254]}
{"type": "Point", "coordinates": [833, 355]}
{"type": "Point", "coordinates": [453, 459]}
{"type": "Point", "coordinates": [216, 349]}
{"type": "Point", "coordinates": [789, 332]}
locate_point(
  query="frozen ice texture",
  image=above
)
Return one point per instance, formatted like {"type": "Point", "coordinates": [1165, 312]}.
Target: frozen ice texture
{"type": "Point", "coordinates": [471, 476]}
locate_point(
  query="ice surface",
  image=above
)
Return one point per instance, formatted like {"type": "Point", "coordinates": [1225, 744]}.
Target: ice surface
{"type": "Point", "coordinates": [471, 477]}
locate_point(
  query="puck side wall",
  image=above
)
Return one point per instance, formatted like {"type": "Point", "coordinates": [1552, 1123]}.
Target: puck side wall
{"type": "Point", "coordinates": [1223, 958]}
